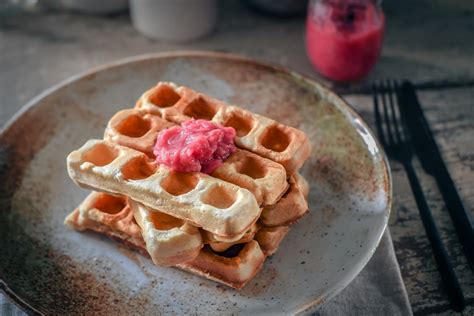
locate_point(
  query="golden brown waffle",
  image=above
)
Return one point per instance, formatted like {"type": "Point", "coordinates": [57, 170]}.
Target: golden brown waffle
{"type": "Point", "coordinates": [269, 238]}
{"type": "Point", "coordinates": [169, 240]}
{"type": "Point", "coordinates": [134, 129]}
{"type": "Point", "coordinates": [234, 267]}
{"type": "Point", "coordinates": [219, 245]}
{"type": "Point", "coordinates": [286, 145]}
{"type": "Point", "coordinates": [234, 270]}
{"type": "Point", "coordinates": [263, 177]}
{"type": "Point", "coordinates": [107, 214]}
{"type": "Point", "coordinates": [291, 207]}
{"type": "Point", "coordinates": [217, 206]}
{"type": "Point", "coordinates": [210, 225]}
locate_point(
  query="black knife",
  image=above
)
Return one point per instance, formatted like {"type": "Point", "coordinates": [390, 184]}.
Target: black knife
{"type": "Point", "coordinates": [433, 163]}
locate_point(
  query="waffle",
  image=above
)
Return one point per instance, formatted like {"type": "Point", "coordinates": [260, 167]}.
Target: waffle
{"type": "Point", "coordinates": [221, 226]}
{"type": "Point", "coordinates": [283, 144]}
{"type": "Point", "coordinates": [169, 240]}
{"type": "Point", "coordinates": [220, 245]}
{"type": "Point", "coordinates": [263, 177]}
{"type": "Point", "coordinates": [269, 238]}
{"type": "Point", "coordinates": [234, 271]}
{"type": "Point", "coordinates": [215, 205]}
{"type": "Point", "coordinates": [291, 207]}
{"type": "Point", "coordinates": [234, 266]}
{"type": "Point", "coordinates": [107, 214]}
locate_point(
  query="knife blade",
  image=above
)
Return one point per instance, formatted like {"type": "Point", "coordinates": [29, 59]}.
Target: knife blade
{"type": "Point", "coordinates": [432, 162]}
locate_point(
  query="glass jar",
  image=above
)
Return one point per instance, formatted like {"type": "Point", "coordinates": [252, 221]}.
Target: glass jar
{"type": "Point", "coordinates": [344, 37]}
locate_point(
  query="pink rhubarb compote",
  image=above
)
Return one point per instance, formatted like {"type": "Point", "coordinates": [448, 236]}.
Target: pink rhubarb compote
{"type": "Point", "coordinates": [196, 145]}
{"type": "Point", "coordinates": [344, 37]}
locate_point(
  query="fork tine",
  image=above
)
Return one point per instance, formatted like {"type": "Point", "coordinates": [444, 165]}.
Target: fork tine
{"type": "Point", "coordinates": [385, 104]}
{"type": "Point", "coordinates": [378, 118]}
{"type": "Point", "coordinates": [396, 124]}
{"type": "Point", "coordinates": [404, 129]}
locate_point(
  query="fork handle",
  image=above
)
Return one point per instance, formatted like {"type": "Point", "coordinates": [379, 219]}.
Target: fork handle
{"type": "Point", "coordinates": [451, 283]}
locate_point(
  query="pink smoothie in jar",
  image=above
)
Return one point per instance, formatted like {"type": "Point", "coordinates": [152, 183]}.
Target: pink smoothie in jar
{"type": "Point", "coordinates": [344, 37]}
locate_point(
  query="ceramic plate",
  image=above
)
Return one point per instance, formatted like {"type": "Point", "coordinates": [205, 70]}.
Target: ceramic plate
{"type": "Point", "coordinates": [46, 267]}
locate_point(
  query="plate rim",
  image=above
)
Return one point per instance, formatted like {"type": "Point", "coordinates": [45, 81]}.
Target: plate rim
{"type": "Point", "coordinates": [35, 101]}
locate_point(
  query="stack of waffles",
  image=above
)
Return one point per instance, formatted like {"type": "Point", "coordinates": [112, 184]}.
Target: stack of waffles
{"type": "Point", "coordinates": [220, 226]}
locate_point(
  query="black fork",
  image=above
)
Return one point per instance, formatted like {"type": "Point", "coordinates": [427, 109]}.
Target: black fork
{"type": "Point", "coordinates": [397, 144]}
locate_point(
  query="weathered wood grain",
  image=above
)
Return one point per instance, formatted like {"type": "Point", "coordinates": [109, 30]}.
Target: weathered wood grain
{"type": "Point", "coordinates": [451, 116]}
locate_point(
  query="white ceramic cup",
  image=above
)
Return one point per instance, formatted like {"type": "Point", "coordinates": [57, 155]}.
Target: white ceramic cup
{"type": "Point", "coordinates": [174, 20]}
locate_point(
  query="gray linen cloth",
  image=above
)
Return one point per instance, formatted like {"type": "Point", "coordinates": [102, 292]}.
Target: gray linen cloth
{"type": "Point", "coordinates": [377, 290]}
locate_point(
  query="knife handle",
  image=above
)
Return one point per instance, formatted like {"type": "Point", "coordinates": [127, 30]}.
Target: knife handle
{"type": "Point", "coordinates": [448, 276]}
{"type": "Point", "coordinates": [461, 220]}
{"type": "Point", "coordinates": [433, 163]}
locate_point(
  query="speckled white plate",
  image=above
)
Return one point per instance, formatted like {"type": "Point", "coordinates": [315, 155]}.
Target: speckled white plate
{"type": "Point", "coordinates": [48, 268]}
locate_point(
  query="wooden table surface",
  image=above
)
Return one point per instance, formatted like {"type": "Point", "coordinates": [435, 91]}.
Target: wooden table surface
{"type": "Point", "coordinates": [428, 41]}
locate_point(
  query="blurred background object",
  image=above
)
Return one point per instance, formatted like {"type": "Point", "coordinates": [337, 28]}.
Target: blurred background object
{"type": "Point", "coordinates": [174, 20]}
{"type": "Point", "coordinates": [10, 7]}
{"type": "Point", "coordinates": [89, 6]}
{"type": "Point", "coordinates": [94, 7]}
{"type": "Point", "coordinates": [281, 8]}
{"type": "Point", "coordinates": [344, 37]}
